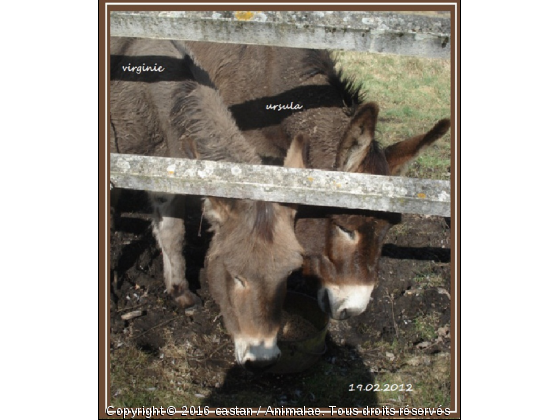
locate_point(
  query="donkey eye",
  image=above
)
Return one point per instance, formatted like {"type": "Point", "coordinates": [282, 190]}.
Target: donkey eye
{"type": "Point", "coordinates": [350, 233]}
{"type": "Point", "coordinates": [240, 281]}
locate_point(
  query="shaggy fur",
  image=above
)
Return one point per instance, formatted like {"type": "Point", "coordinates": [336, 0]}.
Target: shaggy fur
{"type": "Point", "coordinates": [254, 247]}
{"type": "Point", "coordinates": [322, 62]}
{"type": "Point", "coordinates": [340, 248]}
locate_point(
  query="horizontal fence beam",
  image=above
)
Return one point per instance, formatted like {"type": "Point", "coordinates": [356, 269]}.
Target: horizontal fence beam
{"type": "Point", "coordinates": [278, 184]}
{"type": "Point", "coordinates": [378, 32]}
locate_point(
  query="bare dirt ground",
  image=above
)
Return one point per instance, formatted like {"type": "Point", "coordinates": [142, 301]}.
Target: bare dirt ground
{"type": "Point", "coordinates": [167, 357]}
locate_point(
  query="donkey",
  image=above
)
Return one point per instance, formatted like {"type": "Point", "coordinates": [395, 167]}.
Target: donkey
{"type": "Point", "coordinates": [254, 248]}
{"type": "Point", "coordinates": [342, 247]}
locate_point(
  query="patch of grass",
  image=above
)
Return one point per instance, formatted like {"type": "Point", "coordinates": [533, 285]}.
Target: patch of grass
{"type": "Point", "coordinates": [428, 379]}
{"type": "Point", "coordinates": [365, 329]}
{"type": "Point", "coordinates": [139, 379]}
{"type": "Point", "coordinates": [393, 347]}
{"type": "Point", "coordinates": [426, 326]}
{"type": "Point", "coordinates": [402, 229]}
{"type": "Point", "coordinates": [412, 378]}
{"type": "Point", "coordinates": [426, 280]}
{"type": "Point", "coordinates": [434, 386]}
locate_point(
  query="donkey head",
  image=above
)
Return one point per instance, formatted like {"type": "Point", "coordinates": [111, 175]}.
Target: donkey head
{"type": "Point", "coordinates": [254, 246]}
{"type": "Point", "coordinates": [346, 262]}
{"type": "Point", "coordinates": [252, 253]}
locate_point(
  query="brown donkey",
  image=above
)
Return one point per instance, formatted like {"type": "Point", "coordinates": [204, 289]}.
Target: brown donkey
{"type": "Point", "coordinates": [254, 247]}
{"type": "Point", "coordinates": [277, 93]}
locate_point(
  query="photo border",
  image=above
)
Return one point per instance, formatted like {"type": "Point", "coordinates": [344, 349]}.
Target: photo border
{"type": "Point", "coordinates": [105, 7]}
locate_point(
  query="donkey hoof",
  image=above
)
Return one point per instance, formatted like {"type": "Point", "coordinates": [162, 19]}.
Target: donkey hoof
{"type": "Point", "coordinates": [191, 310]}
{"type": "Point", "coordinates": [189, 301]}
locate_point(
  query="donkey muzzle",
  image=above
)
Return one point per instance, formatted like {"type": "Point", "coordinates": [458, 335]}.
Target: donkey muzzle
{"type": "Point", "coordinates": [256, 354]}
{"type": "Point", "coordinates": [343, 302]}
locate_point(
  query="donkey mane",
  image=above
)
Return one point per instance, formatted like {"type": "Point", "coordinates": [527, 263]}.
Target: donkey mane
{"type": "Point", "coordinates": [323, 62]}
{"type": "Point", "coordinates": [206, 124]}
{"type": "Point", "coordinates": [374, 161]}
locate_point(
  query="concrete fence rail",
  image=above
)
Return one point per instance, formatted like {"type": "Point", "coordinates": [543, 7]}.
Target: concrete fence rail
{"type": "Point", "coordinates": [278, 184]}
{"type": "Point", "coordinates": [379, 32]}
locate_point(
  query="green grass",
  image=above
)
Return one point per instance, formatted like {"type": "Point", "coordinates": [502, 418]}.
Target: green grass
{"type": "Point", "coordinates": [429, 380]}
{"type": "Point", "coordinates": [143, 380]}
{"type": "Point", "coordinates": [428, 280]}
{"type": "Point", "coordinates": [426, 326]}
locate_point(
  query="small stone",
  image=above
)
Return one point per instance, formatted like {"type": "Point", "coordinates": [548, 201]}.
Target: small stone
{"type": "Point", "coordinates": [423, 345]}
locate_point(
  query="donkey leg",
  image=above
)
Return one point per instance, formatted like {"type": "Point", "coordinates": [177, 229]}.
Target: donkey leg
{"type": "Point", "coordinates": [114, 215]}
{"type": "Point", "coordinates": [169, 231]}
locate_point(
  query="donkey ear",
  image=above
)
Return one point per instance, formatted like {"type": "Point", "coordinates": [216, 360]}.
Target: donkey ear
{"type": "Point", "coordinates": [358, 138]}
{"type": "Point", "coordinates": [298, 153]}
{"type": "Point", "coordinates": [399, 154]}
{"type": "Point", "coordinates": [216, 210]}
{"type": "Point", "coordinates": [297, 157]}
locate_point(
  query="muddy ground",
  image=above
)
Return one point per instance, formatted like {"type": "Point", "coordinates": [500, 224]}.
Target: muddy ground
{"type": "Point", "coordinates": [167, 357]}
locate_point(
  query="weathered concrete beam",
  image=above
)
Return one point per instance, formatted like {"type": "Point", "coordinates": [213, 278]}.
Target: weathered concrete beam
{"type": "Point", "coordinates": [286, 185]}
{"type": "Point", "coordinates": [379, 32]}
